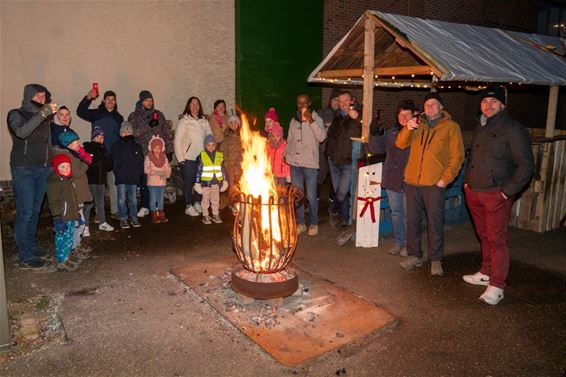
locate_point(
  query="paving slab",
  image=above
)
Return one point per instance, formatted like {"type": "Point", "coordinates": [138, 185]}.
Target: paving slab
{"type": "Point", "coordinates": [318, 318]}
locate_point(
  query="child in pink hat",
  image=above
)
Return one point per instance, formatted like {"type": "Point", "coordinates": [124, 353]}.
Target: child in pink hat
{"type": "Point", "coordinates": [275, 149]}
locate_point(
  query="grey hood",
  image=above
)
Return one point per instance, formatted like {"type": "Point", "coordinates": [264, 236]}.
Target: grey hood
{"type": "Point", "coordinates": [31, 90]}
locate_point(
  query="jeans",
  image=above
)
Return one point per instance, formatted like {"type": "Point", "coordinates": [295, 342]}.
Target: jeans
{"type": "Point", "coordinates": [97, 192]}
{"type": "Point", "coordinates": [490, 213]}
{"type": "Point", "coordinates": [130, 191]}
{"type": "Point", "coordinates": [398, 207]}
{"type": "Point", "coordinates": [156, 194]}
{"type": "Point", "coordinates": [112, 191]}
{"type": "Point", "coordinates": [429, 201]}
{"type": "Point", "coordinates": [341, 176]}
{"type": "Point", "coordinates": [29, 185]}
{"type": "Point", "coordinates": [305, 180]}
{"type": "Point", "coordinates": [189, 170]}
{"type": "Point", "coordinates": [144, 192]}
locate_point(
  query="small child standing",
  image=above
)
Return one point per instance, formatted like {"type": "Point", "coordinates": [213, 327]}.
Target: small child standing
{"type": "Point", "coordinates": [210, 179]}
{"type": "Point", "coordinates": [127, 159]}
{"type": "Point", "coordinates": [96, 173]}
{"type": "Point", "coordinates": [275, 150]}
{"type": "Point", "coordinates": [157, 168]}
{"type": "Point", "coordinates": [64, 209]}
{"type": "Point", "coordinates": [80, 161]}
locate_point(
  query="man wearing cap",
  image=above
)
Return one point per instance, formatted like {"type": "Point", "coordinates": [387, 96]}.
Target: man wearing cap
{"type": "Point", "coordinates": [30, 167]}
{"type": "Point", "coordinates": [146, 122]}
{"type": "Point", "coordinates": [501, 165]}
{"type": "Point", "coordinates": [435, 159]}
{"type": "Point", "coordinates": [108, 119]}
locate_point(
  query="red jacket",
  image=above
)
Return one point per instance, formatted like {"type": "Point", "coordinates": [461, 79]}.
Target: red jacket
{"type": "Point", "coordinates": [280, 168]}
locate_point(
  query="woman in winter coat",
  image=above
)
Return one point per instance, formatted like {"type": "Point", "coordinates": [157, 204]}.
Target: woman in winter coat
{"type": "Point", "coordinates": [218, 121]}
{"type": "Point", "coordinates": [232, 149]}
{"type": "Point", "coordinates": [189, 136]}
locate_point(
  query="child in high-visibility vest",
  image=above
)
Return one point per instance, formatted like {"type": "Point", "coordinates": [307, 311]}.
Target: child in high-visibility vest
{"type": "Point", "coordinates": [211, 180]}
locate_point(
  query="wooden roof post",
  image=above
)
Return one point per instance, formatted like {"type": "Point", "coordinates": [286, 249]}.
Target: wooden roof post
{"type": "Point", "coordinates": [369, 66]}
{"type": "Point", "coordinates": [551, 112]}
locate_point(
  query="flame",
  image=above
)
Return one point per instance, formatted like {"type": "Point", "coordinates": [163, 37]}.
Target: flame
{"type": "Point", "coordinates": [258, 180]}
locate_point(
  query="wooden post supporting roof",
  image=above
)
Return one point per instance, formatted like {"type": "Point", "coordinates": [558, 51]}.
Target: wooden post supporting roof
{"type": "Point", "coordinates": [551, 113]}
{"type": "Point", "coordinates": [369, 66]}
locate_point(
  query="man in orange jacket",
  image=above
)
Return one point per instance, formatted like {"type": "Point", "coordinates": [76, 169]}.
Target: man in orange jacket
{"type": "Point", "coordinates": [436, 156]}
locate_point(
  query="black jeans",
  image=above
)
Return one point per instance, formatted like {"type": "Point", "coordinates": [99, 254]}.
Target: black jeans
{"type": "Point", "coordinates": [429, 201]}
{"type": "Point", "coordinates": [189, 171]}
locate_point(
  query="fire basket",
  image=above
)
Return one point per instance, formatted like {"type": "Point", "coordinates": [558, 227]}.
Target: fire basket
{"type": "Point", "coordinates": [264, 240]}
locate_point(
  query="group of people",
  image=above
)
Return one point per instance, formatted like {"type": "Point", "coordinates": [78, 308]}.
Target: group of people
{"type": "Point", "coordinates": [424, 154]}
{"type": "Point", "coordinates": [48, 157]}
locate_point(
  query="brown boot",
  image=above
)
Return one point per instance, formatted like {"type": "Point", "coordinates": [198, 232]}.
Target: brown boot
{"type": "Point", "coordinates": [162, 216]}
{"type": "Point", "coordinates": [155, 217]}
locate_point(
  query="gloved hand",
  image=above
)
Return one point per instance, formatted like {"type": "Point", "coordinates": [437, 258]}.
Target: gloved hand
{"type": "Point", "coordinates": [59, 225]}
{"type": "Point", "coordinates": [81, 220]}
{"type": "Point", "coordinates": [198, 188]}
{"type": "Point", "coordinates": [84, 156]}
{"type": "Point", "coordinates": [224, 186]}
{"type": "Point", "coordinates": [46, 110]}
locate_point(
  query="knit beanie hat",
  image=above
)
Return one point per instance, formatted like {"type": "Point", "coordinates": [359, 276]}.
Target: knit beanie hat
{"type": "Point", "coordinates": [96, 131]}
{"type": "Point", "coordinates": [277, 130]}
{"type": "Point", "coordinates": [67, 137]}
{"type": "Point", "coordinates": [271, 114]}
{"type": "Point", "coordinates": [209, 139]}
{"type": "Point", "coordinates": [494, 91]}
{"type": "Point", "coordinates": [58, 160]}
{"type": "Point", "coordinates": [109, 93]}
{"type": "Point", "coordinates": [145, 94]}
{"type": "Point", "coordinates": [234, 118]}
{"type": "Point", "coordinates": [156, 140]}
{"type": "Point", "coordinates": [433, 95]}
{"type": "Point", "coordinates": [126, 128]}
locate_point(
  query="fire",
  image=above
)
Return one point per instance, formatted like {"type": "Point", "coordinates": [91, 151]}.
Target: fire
{"type": "Point", "coordinates": [259, 182]}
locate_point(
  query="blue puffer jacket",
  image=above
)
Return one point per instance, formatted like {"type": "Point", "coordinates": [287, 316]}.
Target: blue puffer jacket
{"type": "Point", "coordinates": [109, 121]}
{"type": "Point", "coordinates": [127, 160]}
{"type": "Point", "coordinates": [395, 161]}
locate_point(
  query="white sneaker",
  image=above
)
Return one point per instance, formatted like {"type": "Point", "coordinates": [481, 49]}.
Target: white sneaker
{"type": "Point", "coordinates": [197, 207]}
{"type": "Point", "coordinates": [492, 295]}
{"type": "Point", "coordinates": [477, 279]}
{"type": "Point", "coordinates": [143, 212]}
{"type": "Point", "coordinates": [86, 232]}
{"type": "Point", "coordinates": [301, 228]}
{"type": "Point", "coordinates": [106, 227]}
{"type": "Point", "coordinates": [191, 211]}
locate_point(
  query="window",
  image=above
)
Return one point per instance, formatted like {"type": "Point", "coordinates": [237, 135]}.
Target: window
{"type": "Point", "coordinates": [551, 19]}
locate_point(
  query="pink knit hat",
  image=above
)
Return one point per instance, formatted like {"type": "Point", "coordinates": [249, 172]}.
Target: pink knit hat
{"type": "Point", "coordinates": [277, 130]}
{"type": "Point", "coordinates": [271, 114]}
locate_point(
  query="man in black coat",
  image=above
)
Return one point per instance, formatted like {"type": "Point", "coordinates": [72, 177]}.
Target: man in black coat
{"type": "Point", "coordinates": [501, 165]}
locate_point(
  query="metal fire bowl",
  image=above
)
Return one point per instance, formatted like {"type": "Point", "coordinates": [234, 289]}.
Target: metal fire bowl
{"type": "Point", "coordinates": [264, 286]}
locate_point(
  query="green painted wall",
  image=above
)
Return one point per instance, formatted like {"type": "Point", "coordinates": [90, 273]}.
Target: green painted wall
{"type": "Point", "coordinates": [278, 44]}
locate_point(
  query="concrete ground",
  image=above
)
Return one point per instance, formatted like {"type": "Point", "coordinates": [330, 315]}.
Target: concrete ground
{"type": "Point", "coordinates": [125, 315]}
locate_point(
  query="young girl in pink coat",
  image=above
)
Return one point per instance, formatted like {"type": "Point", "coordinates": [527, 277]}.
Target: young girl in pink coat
{"type": "Point", "coordinates": [275, 149]}
{"type": "Point", "coordinates": [157, 168]}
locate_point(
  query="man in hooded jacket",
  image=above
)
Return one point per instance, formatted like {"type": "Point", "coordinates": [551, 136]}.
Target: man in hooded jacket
{"type": "Point", "coordinates": [30, 166]}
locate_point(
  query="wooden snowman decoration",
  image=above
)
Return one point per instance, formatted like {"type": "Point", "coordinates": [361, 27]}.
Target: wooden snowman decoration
{"type": "Point", "coordinates": [368, 202]}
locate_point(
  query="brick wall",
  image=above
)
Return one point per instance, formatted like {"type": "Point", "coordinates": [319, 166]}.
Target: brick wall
{"type": "Point", "coordinates": [521, 15]}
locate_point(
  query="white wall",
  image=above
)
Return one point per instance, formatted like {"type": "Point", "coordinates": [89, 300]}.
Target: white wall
{"type": "Point", "coordinates": [175, 49]}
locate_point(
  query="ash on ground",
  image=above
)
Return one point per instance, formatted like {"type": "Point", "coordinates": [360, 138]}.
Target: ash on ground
{"type": "Point", "coordinates": [258, 313]}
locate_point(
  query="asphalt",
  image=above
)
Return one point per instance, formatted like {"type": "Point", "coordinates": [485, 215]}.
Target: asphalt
{"type": "Point", "coordinates": [125, 315]}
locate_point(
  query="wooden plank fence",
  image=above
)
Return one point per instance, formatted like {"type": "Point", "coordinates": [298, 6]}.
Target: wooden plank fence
{"type": "Point", "coordinates": [542, 207]}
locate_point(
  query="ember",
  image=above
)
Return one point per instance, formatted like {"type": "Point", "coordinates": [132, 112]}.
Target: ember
{"type": "Point", "coordinates": [265, 231]}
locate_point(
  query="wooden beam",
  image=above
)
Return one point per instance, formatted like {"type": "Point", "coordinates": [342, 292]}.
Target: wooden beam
{"type": "Point", "coordinates": [551, 113]}
{"type": "Point", "coordinates": [380, 71]}
{"type": "Point", "coordinates": [369, 67]}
